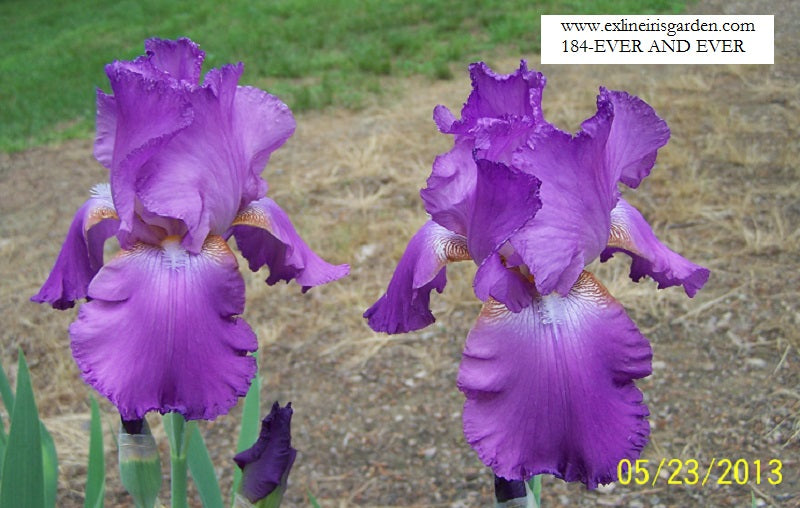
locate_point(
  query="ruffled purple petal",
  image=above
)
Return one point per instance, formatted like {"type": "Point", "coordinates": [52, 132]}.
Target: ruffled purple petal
{"type": "Point", "coordinates": [81, 255]}
{"type": "Point", "coordinates": [551, 389]}
{"type": "Point", "coordinates": [182, 59]}
{"type": "Point", "coordinates": [631, 234]}
{"type": "Point", "coordinates": [636, 135]}
{"type": "Point", "coordinates": [450, 190]}
{"type": "Point", "coordinates": [106, 129]}
{"type": "Point", "coordinates": [140, 119]}
{"type": "Point", "coordinates": [266, 237]}
{"type": "Point", "coordinates": [405, 305]}
{"type": "Point", "coordinates": [578, 192]}
{"type": "Point", "coordinates": [266, 465]}
{"type": "Point", "coordinates": [493, 95]}
{"type": "Point", "coordinates": [443, 118]}
{"type": "Point", "coordinates": [505, 200]}
{"type": "Point", "coordinates": [264, 123]}
{"type": "Point", "coordinates": [500, 113]}
{"type": "Point", "coordinates": [175, 61]}
{"type": "Point", "coordinates": [162, 333]}
{"type": "Point", "coordinates": [497, 140]}
{"type": "Point", "coordinates": [177, 150]}
{"type": "Point", "coordinates": [198, 177]}
{"type": "Point", "coordinates": [206, 175]}
{"type": "Point", "coordinates": [509, 286]}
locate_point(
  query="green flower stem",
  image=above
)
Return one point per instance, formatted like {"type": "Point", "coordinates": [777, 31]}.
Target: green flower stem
{"type": "Point", "coordinates": [271, 501]}
{"type": "Point", "coordinates": [533, 487]}
{"type": "Point", "coordinates": [175, 426]}
{"type": "Point", "coordinates": [239, 501]}
{"type": "Point", "coordinates": [178, 480]}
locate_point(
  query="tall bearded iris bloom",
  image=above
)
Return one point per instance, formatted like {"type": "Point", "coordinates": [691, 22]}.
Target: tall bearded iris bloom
{"type": "Point", "coordinates": [548, 369]}
{"type": "Point", "coordinates": [161, 330]}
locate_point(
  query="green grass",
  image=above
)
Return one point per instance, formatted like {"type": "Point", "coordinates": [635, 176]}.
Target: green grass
{"type": "Point", "coordinates": [312, 54]}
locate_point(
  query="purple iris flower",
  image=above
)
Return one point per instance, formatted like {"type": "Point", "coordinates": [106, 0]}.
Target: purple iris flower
{"type": "Point", "coordinates": [265, 465]}
{"type": "Point", "coordinates": [548, 369]}
{"type": "Point", "coordinates": [161, 330]}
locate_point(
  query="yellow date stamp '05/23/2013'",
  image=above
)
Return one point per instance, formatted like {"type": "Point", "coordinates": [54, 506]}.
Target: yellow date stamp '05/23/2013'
{"type": "Point", "coordinates": [694, 472]}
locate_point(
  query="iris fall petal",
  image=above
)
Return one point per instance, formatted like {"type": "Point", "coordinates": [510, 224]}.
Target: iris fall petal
{"type": "Point", "coordinates": [266, 237]}
{"type": "Point", "coordinates": [551, 389]}
{"type": "Point", "coordinates": [405, 305]}
{"type": "Point", "coordinates": [631, 234]}
{"type": "Point", "coordinates": [81, 255]}
{"type": "Point", "coordinates": [162, 333]}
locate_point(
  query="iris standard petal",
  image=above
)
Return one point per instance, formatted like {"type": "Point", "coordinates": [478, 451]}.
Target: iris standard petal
{"type": "Point", "coordinates": [81, 255]}
{"type": "Point", "coordinates": [200, 175]}
{"type": "Point", "coordinates": [181, 59]}
{"type": "Point", "coordinates": [177, 62]}
{"type": "Point", "coordinates": [443, 118]}
{"type": "Point", "coordinates": [161, 332]}
{"type": "Point", "coordinates": [266, 237]}
{"type": "Point", "coordinates": [631, 234]}
{"type": "Point", "coordinates": [507, 285]}
{"type": "Point", "coordinates": [264, 123]}
{"type": "Point", "coordinates": [635, 137]}
{"type": "Point", "coordinates": [405, 305]}
{"type": "Point", "coordinates": [497, 140]}
{"type": "Point", "coordinates": [502, 95]}
{"type": "Point", "coordinates": [142, 116]}
{"type": "Point", "coordinates": [501, 111]}
{"type": "Point", "coordinates": [498, 96]}
{"type": "Point", "coordinates": [450, 189]}
{"type": "Point", "coordinates": [105, 129]}
{"type": "Point", "coordinates": [209, 172]}
{"type": "Point", "coordinates": [183, 151]}
{"type": "Point", "coordinates": [578, 192]}
{"type": "Point", "coordinates": [551, 389]}
{"type": "Point", "coordinates": [505, 200]}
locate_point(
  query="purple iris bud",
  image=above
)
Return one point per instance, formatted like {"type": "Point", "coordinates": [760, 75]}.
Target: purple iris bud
{"type": "Point", "coordinates": [265, 465]}
{"type": "Point", "coordinates": [549, 368]}
{"type": "Point", "coordinates": [162, 328]}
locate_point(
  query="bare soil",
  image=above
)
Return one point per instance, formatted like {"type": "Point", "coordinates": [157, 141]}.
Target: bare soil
{"type": "Point", "coordinates": [378, 418]}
